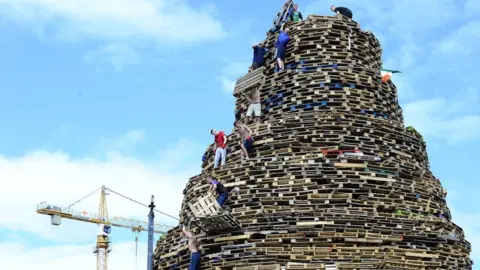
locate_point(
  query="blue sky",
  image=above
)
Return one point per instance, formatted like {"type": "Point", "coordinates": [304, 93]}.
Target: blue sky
{"type": "Point", "coordinates": [123, 93]}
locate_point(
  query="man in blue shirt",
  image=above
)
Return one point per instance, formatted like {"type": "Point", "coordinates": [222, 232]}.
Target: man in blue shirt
{"type": "Point", "coordinates": [259, 51]}
{"type": "Point", "coordinates": [281, 45]}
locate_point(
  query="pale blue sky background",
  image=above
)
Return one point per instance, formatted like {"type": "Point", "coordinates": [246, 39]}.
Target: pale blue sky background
{"type": "Point", "coordinates": [124, 93]}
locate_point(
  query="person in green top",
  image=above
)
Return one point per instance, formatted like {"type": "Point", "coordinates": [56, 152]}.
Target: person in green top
{"type": "Point", "coordinates": [296, 15]}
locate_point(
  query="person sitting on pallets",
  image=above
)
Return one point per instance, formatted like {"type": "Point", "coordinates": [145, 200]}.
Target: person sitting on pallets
{"type": "Point", "coordinates": [296, 15]}
{"type": "Point", "coordinates": [342, 10]}
{"type": "Point", "coordinates": [259, 52]}
{"type": "Point", "coordinates": [255, 107]}
{"type": "Point", "coordinates": [220, 189]}
{"type": "Point", "coordinates": [281, 48]}
{"type": "Point", "coordinates": [247, 141]}
{"type": "Point", "coordinates": [193, 247]}
{"type": "Point", "coordinates": [219, 147]}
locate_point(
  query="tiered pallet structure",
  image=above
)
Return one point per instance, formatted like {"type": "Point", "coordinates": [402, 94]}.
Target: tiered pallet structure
{"type": "Point", "coordinates": [335, 181]}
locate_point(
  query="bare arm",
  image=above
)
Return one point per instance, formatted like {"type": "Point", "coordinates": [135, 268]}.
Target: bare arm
{"type": "Point", "coordinates": [187, 233]}
{"type": "Point", "coordinates": [248, 129]}
{"type": "Point", "coordinates": [225, 139]}
{"type": "Point", "coordinates": [212, 188]}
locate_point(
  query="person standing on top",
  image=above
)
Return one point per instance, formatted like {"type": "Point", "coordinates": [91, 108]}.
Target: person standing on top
{"type": "Point", "coordinates": [342, 10]}
{"type": "Point", "coordinates": [255, 107]}
{"type": "Point", "coordinates": [259, 51]}
{"type": "Point", "coordinates": [281, 45]}
{"type": "Point", "coordinates": [247, 140]}
{"type": "Point", "coordinates": [192, 246]}
{"type": "Point", "coordinates": [220, 189]}
{"type": "Point", "coordinates": [296, 15]}
{"type": "Point", "coordinates": [219, 147]}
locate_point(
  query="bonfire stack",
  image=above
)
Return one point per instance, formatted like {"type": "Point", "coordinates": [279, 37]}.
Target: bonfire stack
{"type": "Point", "coordinates": [334, 180]}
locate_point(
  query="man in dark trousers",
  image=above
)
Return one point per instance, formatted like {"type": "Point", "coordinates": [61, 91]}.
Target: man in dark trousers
{"type": "Point", "coordinates": [281, 47]}
{"type": "Point", "coordinates": [219, 188]}
{"type": "Point", "coordinates": [259, 51]}
{"type": "Point", "coordinates": [193, 247]}
{"type": "Point", "coordinates": [342, 10]}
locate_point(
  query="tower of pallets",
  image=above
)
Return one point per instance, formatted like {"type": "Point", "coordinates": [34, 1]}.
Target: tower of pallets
{"type": "Point", "coordinates": [334, 180]}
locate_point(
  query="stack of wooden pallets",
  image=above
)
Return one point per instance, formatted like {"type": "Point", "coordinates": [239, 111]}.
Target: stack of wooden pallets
{"type": "Point", "coordinates": [334, 180]}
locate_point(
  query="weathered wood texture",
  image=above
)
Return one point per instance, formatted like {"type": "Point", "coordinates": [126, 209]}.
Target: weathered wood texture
{"type": "Point", "coordinates": [334, 181]}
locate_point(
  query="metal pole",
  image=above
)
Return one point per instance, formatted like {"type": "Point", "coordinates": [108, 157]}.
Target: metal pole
{"type": "Point", "coordinates": [151, 217]}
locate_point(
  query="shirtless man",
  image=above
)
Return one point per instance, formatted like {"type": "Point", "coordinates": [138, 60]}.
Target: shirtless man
{"type": "Point", "coordinates": [255, 106]}
{"type": "Point", "coordinates": [192, 246]}
{"type": "Point", "coordinates": [247, 140]}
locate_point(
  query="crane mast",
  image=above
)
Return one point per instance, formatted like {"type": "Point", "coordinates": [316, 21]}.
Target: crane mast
{"type": "Point", "coordinates": [102, 246]}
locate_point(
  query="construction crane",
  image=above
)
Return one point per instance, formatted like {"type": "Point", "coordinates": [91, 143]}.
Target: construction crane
{"type": "Point", "coordinates": [102, 247]}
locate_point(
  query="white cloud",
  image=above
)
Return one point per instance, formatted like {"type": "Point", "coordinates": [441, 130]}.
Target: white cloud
{"type": "Point", "coordinates": [227, 85]}
{"type": "Point", "coordinates": [464, 41]}
{"type": "Point", "coordinates": [16, 256]}
{"type": "Point", "coordinates": [157, 20]}
{"type": "Point", "coordinates": [123, 25]}
{"type": "Point", "coordinates": [231, 71]}
{"type": "Point", "coordinates": [59, 179]}
{"type": "Point", "coordinates": [116, 55]}
{"type": "Point", "coordinates": [470, 223]}
{"type": "Point", "coordinates": [444, 119]}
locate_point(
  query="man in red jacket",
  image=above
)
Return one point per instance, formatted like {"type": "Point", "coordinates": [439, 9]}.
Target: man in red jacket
{"type": "Point", "coordinates": [220, 147]}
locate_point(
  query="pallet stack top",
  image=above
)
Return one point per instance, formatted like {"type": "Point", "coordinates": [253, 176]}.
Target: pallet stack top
{"type": "Point", "coordinates": [335, 181]}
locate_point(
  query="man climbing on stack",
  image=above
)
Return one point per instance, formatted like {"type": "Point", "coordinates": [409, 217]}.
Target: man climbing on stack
{"type": "Point", "coordinates": [281, 47]}
{"type": "Point", "coordinates": [255, 107]}
{"type": "Point", "coordinates": [219, 188]}
{"type": "Point", "coordinates": [296, 15]}
{"type": "Point", "coordinates": [342, 10]}
{"type": "Point", "coordinates": [247, 141]}
{"type": "Point", "coordinates": [259, 52]}
{"type": "Point", "coordinates": [219, 147]}
{"type": "Point", "coordinates": [193, 247]}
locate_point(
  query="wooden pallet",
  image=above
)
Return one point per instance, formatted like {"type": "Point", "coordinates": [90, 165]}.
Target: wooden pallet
{"type": "Point", "coordinates": [252, 79]}
{"type": "Point", "coordinates": [204, 206]}
{"type": "Point", "coordinates": [341, 185]}
{"type": "Point", "coordinates": [215, 223]}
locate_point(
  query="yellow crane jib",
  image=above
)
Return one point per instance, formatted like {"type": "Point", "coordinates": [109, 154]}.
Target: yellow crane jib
{"type": "Point", "coordinates": [57, 213]}
{"type": "Point", "coordinates": [102, 247]}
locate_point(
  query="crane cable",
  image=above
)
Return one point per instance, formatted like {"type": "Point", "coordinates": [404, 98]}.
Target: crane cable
{"type": "Point", "coordinates": [83, 198]}
{"type": "Point", "coordinates": [142, 204]}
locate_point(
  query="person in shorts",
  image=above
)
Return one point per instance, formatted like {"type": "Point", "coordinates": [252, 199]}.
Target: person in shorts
{"type": "Point", "coordinates": [255, 106]}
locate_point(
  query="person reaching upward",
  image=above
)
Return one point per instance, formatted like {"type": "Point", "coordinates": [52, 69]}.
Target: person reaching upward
{"type": "Point", "coordinates": [281, 47]}
{"type": "Point", "coordinates": [193, 247]}
{"type": "Point", "coordinates": [259, 52]}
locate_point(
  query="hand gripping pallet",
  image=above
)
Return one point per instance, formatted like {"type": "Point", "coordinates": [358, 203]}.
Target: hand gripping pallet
{"type": "Point", "coordinates": [210, 217]}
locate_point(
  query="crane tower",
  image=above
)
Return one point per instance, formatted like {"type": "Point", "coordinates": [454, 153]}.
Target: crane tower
{"type": "Point", "coordinates": [102, 247]}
